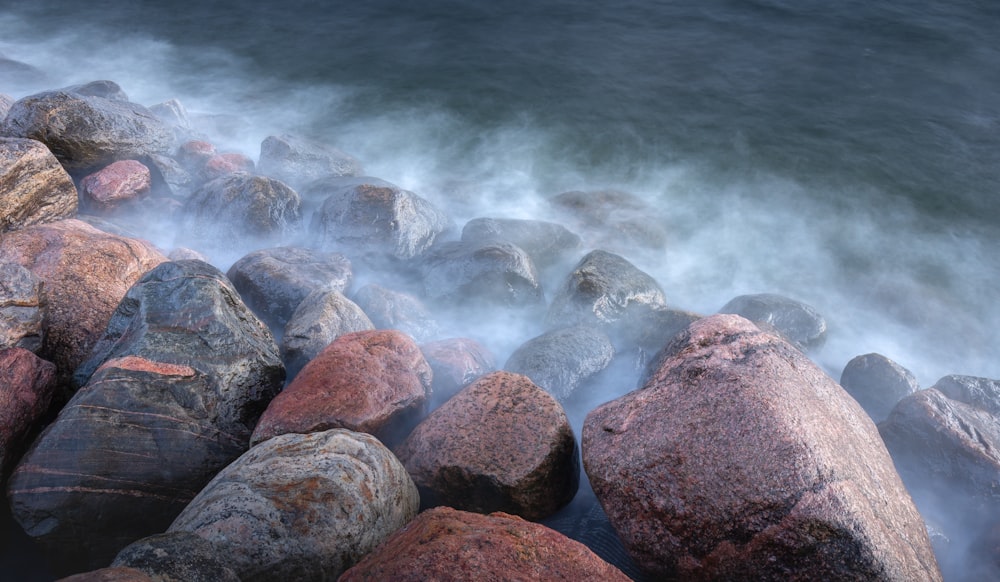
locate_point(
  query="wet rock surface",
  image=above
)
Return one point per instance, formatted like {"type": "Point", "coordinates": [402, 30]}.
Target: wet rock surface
{"type": "Point", "coordinates": [178, 556]}
{"type": "Point", "coordinates": [23, 308]}
{"type": "Point", "coordinates": [323, 316]}
{"type": "Point", "coordinates": [560, 360]}
{"type": "Point", "coordinates": [877, 383]}
{"type": "Point", "coordinates": [34, 187]}
{"type": "Point", "coordinates": [368, 381]}
{"type": "Point", "coordinates": [116, 184]}
{"type": "Point", "coordinates": [448, 544]}
{"type": "Point", "coordinates": [27, 389]}
{"type": "Point", "coordinates": [497, 273]}
{"type": "Point", "coordinates": [546, 243]}
{"type": "Point", "coordinates": [740, 459]}
{"type": "Point", "coordinates": [501, 444]}
{"type": "Point", "coordinates": [390, 309]}
{"type": "Point", "coordinates": [303, 507]}
{"type": "Point", "coordinates": [456, 363]}
{"type": "Point", "coordinates": [297, 161]}
{"type": "Point", "coordinates": [801, 324]}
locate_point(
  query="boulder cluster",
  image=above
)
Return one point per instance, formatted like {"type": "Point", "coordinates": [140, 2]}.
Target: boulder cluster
{"type": "Point", "coordinates": [303, 383]}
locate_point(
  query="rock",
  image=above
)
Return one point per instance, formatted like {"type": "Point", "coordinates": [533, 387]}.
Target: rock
{"type": "Point", "coordinates": [221, 165]}
{"type": "Point", "coordinates": [560, 360]}
{"type": "Point", "coordinates": [27, 388]}
{"type": "Point", "coordinates": [498, 273]}
{"type": "Point", "coordinates": [106, 89]}
{"type": "Point", "coordinates": [34, 188]}
{"type": "Point", "coordinates": [194, 154]}
{"type": "Point", "coordinates": [877, 383]}
{"type": "Point", "coordinates": [446, 544]}
{"type": "Point", "coordinates": [390, 309]}
{"type": "Point", "coordinates": [368, 381]}
{"type": "Point", "coordinates": [614, 219]}
{"type": "Point", "coordinates": [116, 184]}
{"type": "Point", "coordinates": [374, 218]}
{"type": "Point", "coordinates": [274, 281]}
{"type": "Point", "coordinates": [169, 178]}
{"type": "Point", "coordinates": [545, 242]}
{"type": "Point", "coordinates": [456, 363]}
{"type": "Point", "coordinates": [303, 507]}
{"type": "Point", "coordinates": [177, 556]}
{"type": "Point", "coordinates": [298, 161]}
{"type": "Point", "coordinates": [85, 273]}
{"type": "Point", "coordinates": [605, 290]}
{"type": "Point", "coordinates": [240, 209]}
{"type": "Point", "coordinates": [740, 459]}
{"type": "Point", "coordinates": [501, 444]}
{"type": "Point", "coordinates": [799, 323]}
{"type": "Point", "coordinates": [87, 132]}
{"type": "Point", "coordinates": [981, 393]}
{"type": "Point", "coordinates": [169, 397]}
{"type": "Point", "coordinates": [323, 316]}
{"type": "Point", "coordinates": [23, 308]}
{"type": "Point", "coordinates": [115, 574]}
{"type": "Point", "coordinates": [654, 331]}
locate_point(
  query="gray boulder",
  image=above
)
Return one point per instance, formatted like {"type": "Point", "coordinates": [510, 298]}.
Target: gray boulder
{"type": "Point", "coordinates": [877, 383]}
{"type": "Point", "coordinates": [560, 360]}
{"type": "Point", "coordinates": [323, 316]}
{"type": "Point", "coordinates": [177, 556]}
{"type": "Point", "coordinates": [801, 324]}
{"type": "Point", "coordinates": [500, 273]}
{"type": "Point", "coordinates": [545, 242]}
{"type": "Point", "coordinates": [389, 309]}
{"type": "Point", "coordinates": [298, 161]}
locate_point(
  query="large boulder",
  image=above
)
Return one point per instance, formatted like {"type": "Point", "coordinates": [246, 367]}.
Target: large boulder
{"type": "Point", "coordinates": [562, 359]}
{"type": "Point", "coordinates": [501, 444]}
{"type": "Point", "coordinates": [982, 393]}
{"type": "Point", "coordinates": [115, 185]}
{"type": "Point", "coordinates": [545, 242]}
{"type": "Point", "coordinates": [605, 290]}
{"type": "Point", "coordinates": [27, 388]}
{"type": "Point", "coordinates": [374, 218]}
{"type": "Point", "coordinates": [85, 273]}
{"type": "Point", "coordinates": [500, 273]}
{"type": "Point", "coordinates": [877, 383]}
{"type": "Point", "coordinates": [446, 544]}
{"type": "Point", "coordinates": [368, 381]}
{"type": "Point", "coordinates": [238, 210]}
{"type": "Point", "coordinates": [177, 556]}
{"type": "Point", "coordinates": [274, 281]}
{"type": "Point", "coordinates": [23, 308]}
{"type": "Point", "coordinates": [303, 507]}
{"type": "Point", "coordinates": [298, 161]}
{"type": "Point", "coordinates": [740, 459]}
{"type": "Point", "coordinates": [323, 316]}
{"type": "Point", "coordinates": [34, 187]}
{"type": "Point", "coordinates": [86, 132]}
{"type": "Point", "coordinates": [799, 323]}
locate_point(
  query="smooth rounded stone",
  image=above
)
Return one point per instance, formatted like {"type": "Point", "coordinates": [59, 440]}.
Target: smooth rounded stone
{"type": "Point", "coordinates": [545, 242]}
{"type": "Point", "coordinates": [116, 184]}
{"type": "Point", "coordinates": [174, 114]}
{"type": "Point", "coordinates": [86, 132]}
{"type": "Point", "coordinates": [298, 161]}
{"type": "Point", "coordinates": [303, 507]}
{"type": "Point", "coordinates": [34, 187]}
{"type": "Point", "coordinates": [225, 164]}
{"type": "Point", "coordinates": [740, 459]}
{"type": "Point", "coordinates": [655, 329]}
{"type": "Point", "coordinates": [799, 323]}
{"type": "Point", "coordinates": [606, 290]}
{"type": "Point", "coordinates": [185, 254]}
{"type": "Point", "coordinates": [323, 316]}
{"type": "Point", "coordinates": [274, 281]}
{"type": "Point", "coordinates": [390, 309]}
{"type": "Point", "coordinates": [239, 209]}
{"type": "Point", "coordinates": [85, 273]}
{"type": "Point", "coordinates": [560, 360]}
{"type": "Point", "coordinates": [102, 88]}
{"type": "Point", "coordinates": [501, 444]}
{"type": "Point", "coordinates": [456, 363]}
{"type": "Point", "coordinates": [177, 556]}
{"type": "Point", "coordinates": [446, 544]}
{"type": "Point", "coordinates": [23, 308]}
{"type": "Point", "coordinates": [373, 218]}
{"type": "Point", "coordinates": [368, 381]}
{"type": "Point", "coordinates": [500, 273]}
{"type": "Point", "coordinates": [182, 375]}
{"type": "Point", "coordinates": [981, 393]}
{"type": "Point", "coordinates": [110, 574]}
{"type": "Point", "coordinates": [27, 388]}
{"type": "Point", "coordinates": [877, 383]}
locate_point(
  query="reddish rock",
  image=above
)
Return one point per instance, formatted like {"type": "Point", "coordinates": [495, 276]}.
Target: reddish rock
{"type": "Point", "coordinates": [303, 507]}
{"type": "Point", "coordinates": [446, 544]}
{"type": "Point", "coordinates": [456, 363]}
{"type": "Point", "coordinates": [86, 272]}
{"type": "Point", "coordinates": [112, 574]}
{"type": "Point", "coordinates": [740, 459]}
{"type": "Point", "coordinates": [34, 187]}
{"type": "Point", "coordinates": [116, 184]}
{"type": "Point", "coordinates": [194, 154]}
{"type": "Point", "coordinates": [369, 381]}
{"type": "Point", "coordinates": [27, 385]}
{"type": "Point", "coordinates": [501, 444]}
{"type": "Point", "coordinates": [224, 164]}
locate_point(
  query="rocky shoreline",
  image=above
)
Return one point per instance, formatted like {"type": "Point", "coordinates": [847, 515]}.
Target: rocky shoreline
{"type": "Point", "coordinates": [331, 405]}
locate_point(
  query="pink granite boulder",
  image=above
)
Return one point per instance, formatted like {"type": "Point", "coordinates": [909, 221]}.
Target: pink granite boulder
{"type": "Point", "coordinates": [449, 545]}
{"type": "Point", "coordinates": [368, 381]}
{"type": "Point", "coordinates": [740, 459]}
{"type": "Point", "coordinates": [115, 185]}
{"type": "Point", "coordinates": [501, 444]}
{"type": "Point", "coordinates": [27, 386]}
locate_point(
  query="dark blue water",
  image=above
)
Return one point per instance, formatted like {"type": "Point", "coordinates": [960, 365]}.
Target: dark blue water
{"type": "Point", "coordinates": [844, 153]}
